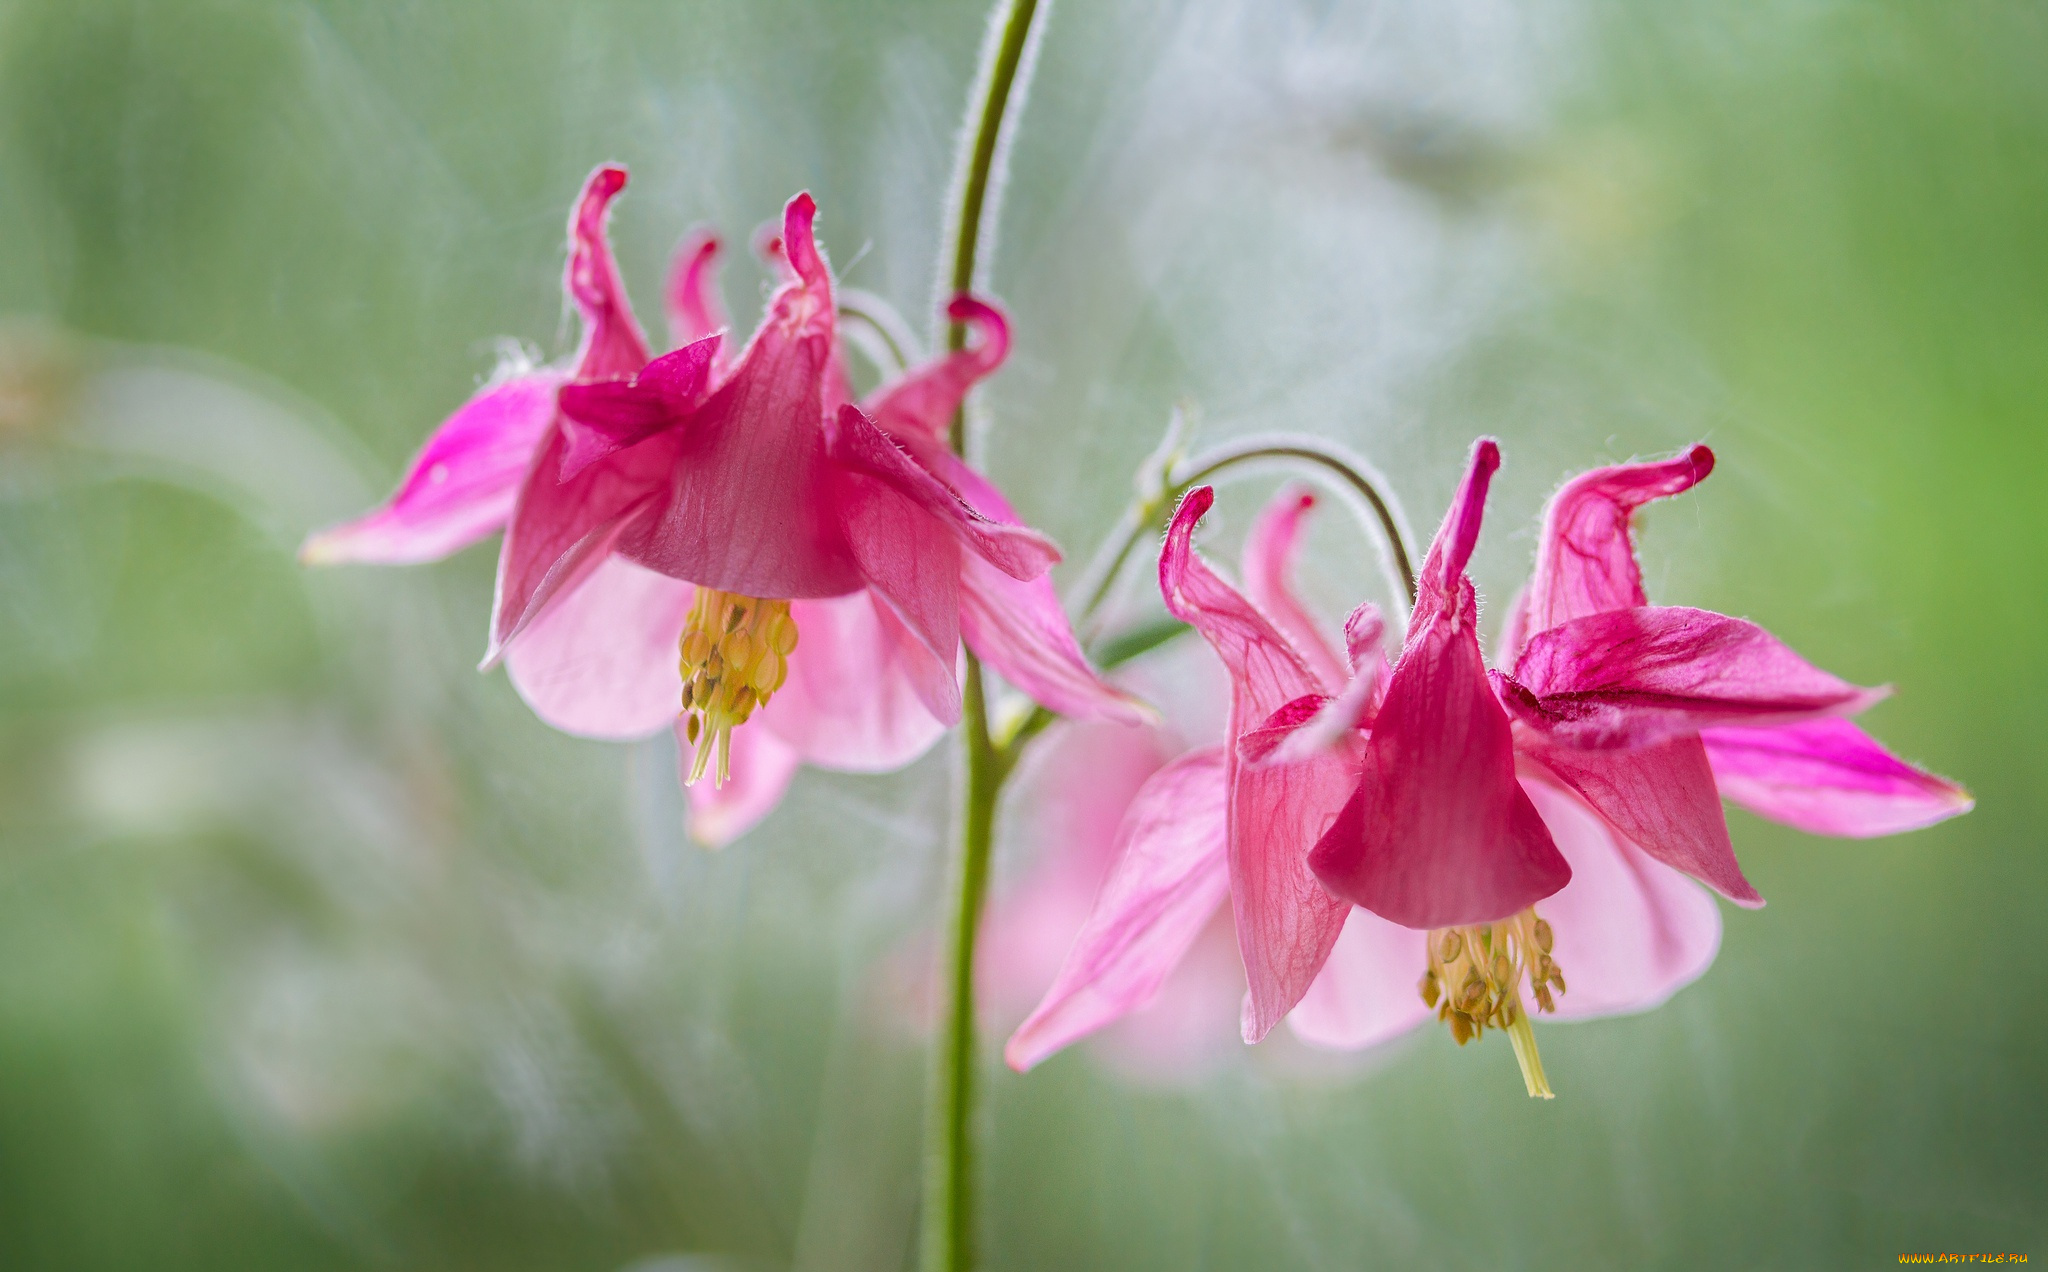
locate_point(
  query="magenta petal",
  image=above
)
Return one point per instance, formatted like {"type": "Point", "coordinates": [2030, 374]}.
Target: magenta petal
{"type": "Point", "coordinates": [1286, 923]}
{"type": "Point", "coordinates": [909, 561]}
{"type": "Point", "coordinates": [854, 698]}
{"type": "Point", "coordinates": [461, 486]}
{"type": "Point", "coordinates": [1663, 798]}
{"type": "Point", "coordinates": [761, 768]}
{"type": "Point", "coordinates": [1259, 744]}
{"type": "Point", "coordinates": [1829, 777]}
{"type": "Point", "coordinates": [1270, 549]}
{"type": "Point", "coordinates": [612, 341]}
{"type": "Point", "coordinates": [1366, 993]}
{"type": "Point", "coordinates": [1628, 932]}
{"type": "Point", "coordinates": [1585, 562]}
{"type": "Point", "coordinates": [1631, 677]}
{"type": "Point", "coordinates": [694, 308]}
{"type": "Point", "coordinates": [1438, 832]}
{"type": "Point", "coordinates": [921, 404]}
{"type": "Point", "coordinates": [747, 506]}
{"type": "Point", "coordinates": [601, 662]}
{"type": "Point", "coordinates": [1015, 549]}
{"type": "Point", "coordinates": [1169, 875]}
{"type": "Point", "coordinates": [603, 416]}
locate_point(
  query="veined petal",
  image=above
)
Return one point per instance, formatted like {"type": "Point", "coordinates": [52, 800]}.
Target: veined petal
{"type": "Point", "coordinates": [1270, 549]}
{"type": "Point", "coordinates": [693, 304]}
{"type": "Point", "coordinates": [1631, 677]}
{"type": "Point", "coordinates": [1021, 631]}
{"type": "Point", "coordinates": [1628, 931]}
{"type": "Point", "coordinates": [1661, 797]}
{"type": "Point", "coordinates": [601, 662]}
{"type": "Point", "coordinates": [853, 700]}
{"type": "Point", "coordinates": [603, 416]}
{"type": "Point", "coordinates": [1286, 922]}
{"type": "Point", "coordinates": [1438, 833]}
{"type": "Point", "coordinates": [746, 506]}
{"type": "Point", "coordinates": [921, 403]}
{"type": "Point", "coordinates": [1017, 550]}
{"type": "Point", "coordinates": [1169, 875]}
{"type": "Point", "coordinates": [612, 340]}
{"type": "Point", "coordinates": [761, 769]}
{"type": "Point", "coordinates": [1828, 777]}
{"type": "Point", "coordinates": [1586, 560]}
{"type": "Point", "coordinates": [1366, 993]}
{"type": "Point", "coordinates": [912, 564]}
{"type": "Point", "coordinates": [459, 488]}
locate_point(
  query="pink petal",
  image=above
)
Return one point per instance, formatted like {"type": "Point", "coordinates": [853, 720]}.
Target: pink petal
{"type": "Point", "coordinates": [694, 308]}
{"type": "Point", "coordinates": [1286, 923]}
{"type": "Point", "coordinates": [1631, 677]}
{"type": "Point", "coordinates": [603, 416]}
{"type": "Point", "coordinates": [601, 662]}
{"type": "Point", "coordinates": [1829, 777]}
{"type": "Point", "coordinates": [912, 564]}
{"type": "Point", "coordinates": [1662, 797]}
{"type": "Point", "coordinates": [921, 404]}
{"type": "Point", "coordinates": [1628, 932]}
{"type": "Point", "coordinates": [459, 488]}
{"type": "Point", "coordinates": [1350, 710]}
{"type": "Point", "coordinates": [1438, 832]}
{"type": "Point", "coordinates": [1021, 631]}
{"type": "Point", "coordinates": [1368, 991]}
{"type": "Point", "coordinates": [561, 530]}
{"type": "Point", "coordinates": [612, 341]}
{"type": "Point", "coordinates": [1263, 742]}
{"type": "Point", "coordinates": [1270, 549]}
{"type": "Point", "coordinates": [761, 768]}
{"type": "Point", "coordinates": [1169, 876]}
{"type": "Point", "coordinates": [852, 700]}
{"type": "Point", "coordinates": [1015, 549]}
{"type": "Point", "coordinates": [747, 506]}
{"type": "Point", "coordinates": [1586, 561]}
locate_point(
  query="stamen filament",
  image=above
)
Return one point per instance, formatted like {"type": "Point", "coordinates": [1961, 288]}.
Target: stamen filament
{"type": "Point", "coordinates": [1474, 980]}
{"type": "Point", "coordinates": [734, 654]}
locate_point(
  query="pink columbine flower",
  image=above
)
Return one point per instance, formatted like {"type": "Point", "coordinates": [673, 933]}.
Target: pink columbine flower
{"type": "Point", "coordinates": [710, 538]}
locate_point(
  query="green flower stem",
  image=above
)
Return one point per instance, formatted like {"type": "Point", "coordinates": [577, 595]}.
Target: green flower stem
{"type": "Point", "coordinates": [948, 1226]}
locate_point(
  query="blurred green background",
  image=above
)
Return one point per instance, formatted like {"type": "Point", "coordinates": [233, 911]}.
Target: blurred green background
{"type": "Point", "coordinates": [318, 951]}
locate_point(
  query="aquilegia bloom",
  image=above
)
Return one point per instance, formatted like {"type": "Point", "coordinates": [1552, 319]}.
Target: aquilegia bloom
{"type": "Point", "coordinates": [713, 538]}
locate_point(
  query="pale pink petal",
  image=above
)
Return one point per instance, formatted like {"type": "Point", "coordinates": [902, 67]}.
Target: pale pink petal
{"type": "Point", "coordinates": [1013, 548]}
{"type": "Point", "coordinates": [602, 662]}
{"type": "Point", "coordinates": [1627, 931]}
{"type": "Point", "coordinates": [1631, 677]}
{"type": "Point", "coordinates": [1286, 922]}
{"type": "Point", "coordinates": [460, 487]}
{"type": "Point", "coordinates": [1438, 832]}
{"type": "Point", "coordinates": [1368, 991]}
{"type": "Point", "coordinates": [761, 769]}
{"type": "Point", "coordinates": [1660, 797]}
{"type": "Point", "coordinates": [746, 506]}
{"type": "Point", "coordinates": [692, 301]}
{"type": "Point", "coordinates": [1585, 562]}
{"type": "Point", "coordinates": [603, 416]}
{"type": "Point", "coordinates": [612, 341]}
{"type": "Point", "coordinates": [1270, 549]}
{"type": "Point", "coordinates": [1021, 631]}
{"type": "Point", "coordinates": [852, 700]}
{"type": "Point", "coordinates": [1170, 874]}
{"type": "Point", "coordinates": [1829, 777]}
{"type": "Point", "coordinates": [922, 402]}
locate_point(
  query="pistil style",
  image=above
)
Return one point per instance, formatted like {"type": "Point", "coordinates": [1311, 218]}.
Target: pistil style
{"type": "Point", "coordinates": [1474, 980]}
{"type": "Point", "coordinates": [735, 655]}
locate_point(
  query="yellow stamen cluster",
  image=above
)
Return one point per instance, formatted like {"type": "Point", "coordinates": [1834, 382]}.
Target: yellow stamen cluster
{"type": "Point", "coordinates": [735, 654]}
{"type": "Point", "coordinates": [1475, 980]}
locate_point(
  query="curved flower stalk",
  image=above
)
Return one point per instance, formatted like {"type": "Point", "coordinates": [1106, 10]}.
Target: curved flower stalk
{"type": "Point", "coordinates": [713, 538]}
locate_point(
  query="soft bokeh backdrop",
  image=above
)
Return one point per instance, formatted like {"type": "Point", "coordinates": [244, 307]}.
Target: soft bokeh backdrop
{"type": "Point", "coordinates": [317, 951]}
